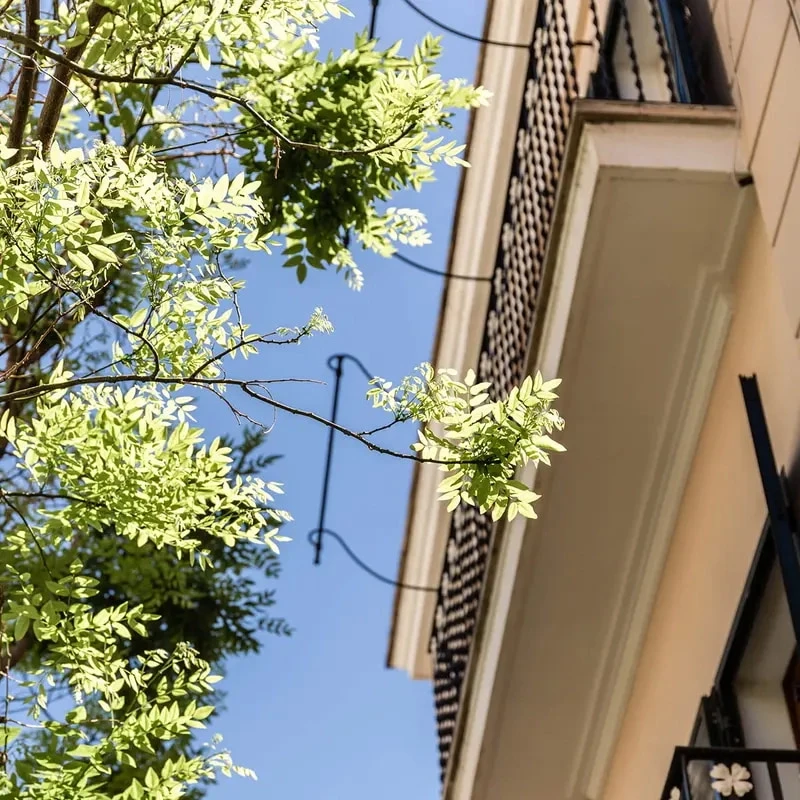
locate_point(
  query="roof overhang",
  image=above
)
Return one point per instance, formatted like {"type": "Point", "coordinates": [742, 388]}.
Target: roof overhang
{"type": "Point", "coordinates": [637, 305]}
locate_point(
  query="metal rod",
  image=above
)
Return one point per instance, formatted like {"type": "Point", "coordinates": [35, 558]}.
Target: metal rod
{"type": "Point", "coordinates": [373, 18]}
{"type": "Point", "coordinates": [738, 754]}
{"type": "Point", "coordinates": [626, 26]}
{"type": "Point", "coordinates": [658, 24]}
{"type": "Point", "coordinates": [684, 756]}
{"type": "Point", "coordinates": [334, 363]}
{"type": "Point", "coordinates": [685, 778]}
{"type": "Point", "coordinates": [774, 781]}
{"type": "Point", "coordinates": [602, 67]}
{"type": "Point", "coordinates": [326, 479]}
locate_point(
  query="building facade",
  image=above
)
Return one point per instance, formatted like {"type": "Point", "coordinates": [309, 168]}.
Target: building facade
{"type": "Point", "coordinates": [638, 639]}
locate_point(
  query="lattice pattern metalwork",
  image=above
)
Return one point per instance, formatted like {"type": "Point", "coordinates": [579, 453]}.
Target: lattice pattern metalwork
{"type": "Point", "coordinates": [545, 117]}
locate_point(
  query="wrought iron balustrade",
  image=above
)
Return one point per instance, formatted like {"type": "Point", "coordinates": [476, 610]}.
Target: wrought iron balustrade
{"type": "Point", "coordinates": [706, 773]}
{"type": "Point", "coordinates": [643, 51]}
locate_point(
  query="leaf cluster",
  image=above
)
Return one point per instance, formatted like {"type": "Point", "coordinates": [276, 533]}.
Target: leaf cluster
{"type": "Point", "coordinates": [372, 115]}
{"type": "Point", "coordinates": [479, 442]}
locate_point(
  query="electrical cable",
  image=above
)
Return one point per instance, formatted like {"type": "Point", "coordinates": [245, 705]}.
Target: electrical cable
{"type": "Point", "coordinates": [468, 36]}
{"type": "Point", "coordinates": [373, 18]}
{"type": "Point", "coordinates": [335, 363]}
{"type": "Point", "coordinates": [481, 40]}
{"type": "Point", "coordinates": [441, 273]}
{"type": "Point", "coordinates": [315, 539]}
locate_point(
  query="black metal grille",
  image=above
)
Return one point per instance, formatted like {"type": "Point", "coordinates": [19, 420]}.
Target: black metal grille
{"type": "Point", "coordinates": [550, 93]}
{"type": "Point", "coordinates": [747, 771]}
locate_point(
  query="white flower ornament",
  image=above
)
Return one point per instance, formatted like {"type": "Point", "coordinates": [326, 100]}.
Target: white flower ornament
{"type": "Point", "coordinates": [733, 780]}
{"type": "Point", "coordinates": [675, 793]}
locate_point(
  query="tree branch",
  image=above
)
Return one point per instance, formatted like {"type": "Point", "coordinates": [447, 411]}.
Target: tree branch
{"type": "Point", "coordinates": [27, 81]}
{"type": "Point", "coordinates": [54, 496]}
{"type": "Point", "coordinates": [15, 653]}
{"type": "Point", "coordinates": [57, 93]}
{"type": "Point", "coordinates": [245, 341]}
{"type": "Point", "coordinates": [184, 154]}
{"type": "Point", "coordinates": [249, 388]}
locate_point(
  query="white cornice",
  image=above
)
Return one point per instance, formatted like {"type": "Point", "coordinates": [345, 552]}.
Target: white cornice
{"type": "Point", "coordinates": [479, 218]}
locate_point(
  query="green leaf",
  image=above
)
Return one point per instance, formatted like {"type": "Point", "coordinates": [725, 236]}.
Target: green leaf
{"type": "Point", "coordinates": [94, 52]}
{"type": "Point", "coordinates": [21, 625]}
{"type": "Point", "coordinates": [221, 189]}
{"type": "Point", "coordinates": [203, 56]}
{"type": "Point", "coordinates": [102, 253]}
{"type": "Point", "coordinates": [80, 260]}
{"type": "Point", "coordinates": [77, 715]}
{"type": "Point", "coordinates": [138, 317]}
{"type": "Point", "coordinates": [7, 734]}
{"type": "Point", "coordinates": [151, 779]}
{"type": "Point", "coordinates": [83, 751]}
{"type": "Point", "coordinates": [206, 194]}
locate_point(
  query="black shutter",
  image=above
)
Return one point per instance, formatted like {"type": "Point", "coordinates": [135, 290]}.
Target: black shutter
{"type": "Point", "coordinates": [781, 520]}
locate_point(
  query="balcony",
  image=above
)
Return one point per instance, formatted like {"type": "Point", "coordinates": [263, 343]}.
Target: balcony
{"type": "Point", "coordinates": [771, 774]}
{"type": "Point", "coordinates": [610, 252]}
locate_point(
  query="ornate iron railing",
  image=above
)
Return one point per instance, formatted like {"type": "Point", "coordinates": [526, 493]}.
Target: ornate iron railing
{"type": "Point", "coordinates": [658, 67]}
{"type": "Point", "coordinates": [705, 773]}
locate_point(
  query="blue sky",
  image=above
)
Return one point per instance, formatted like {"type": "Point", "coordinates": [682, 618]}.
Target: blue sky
{"type": "Point", "coordinates": [318, 716]}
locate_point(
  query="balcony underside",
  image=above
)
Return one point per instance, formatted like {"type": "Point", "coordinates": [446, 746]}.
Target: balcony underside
{"type": "Point", "coordinates": [636, 308]}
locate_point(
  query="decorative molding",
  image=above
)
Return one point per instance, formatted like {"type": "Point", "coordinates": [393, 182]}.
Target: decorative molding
{"type": "Point", "coordinates": [702, 352]}
{"type": "Point", "coordinates": [548, 356]}
{"type": "Point", "coordinates": [658, 514]}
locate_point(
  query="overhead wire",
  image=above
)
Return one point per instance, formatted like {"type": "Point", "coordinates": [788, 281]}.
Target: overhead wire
{"type": "Point", "coordinates": [443, 273]}
{"type": "Point", "coordinates": [315, 536]}
{"type": "Point", "coordinates": [470, 37]}
{"type": "Point", "coordinates": [461, 34]}
{"type": "Point", "coordinates": [335, 364]}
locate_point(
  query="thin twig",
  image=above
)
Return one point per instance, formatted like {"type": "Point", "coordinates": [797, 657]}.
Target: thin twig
{"type": "Point", "coordinates": [245, 341]}
{"type": "Point", "coordinates": [383, 427]}
{"type": "Point", "coordinates": [220, 151]}
{"type": "Point", "coordinates": [248, 387]}
{"type": "Point", "coordinates": [207, 140]}
{"type": "Point", "coordinates": [4, 498]}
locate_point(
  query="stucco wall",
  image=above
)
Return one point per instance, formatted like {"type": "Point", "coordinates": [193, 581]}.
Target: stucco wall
{"type": "Point", "coordinates": [721, 517]}
{"type": "Point", "coordinates": [760, 44]}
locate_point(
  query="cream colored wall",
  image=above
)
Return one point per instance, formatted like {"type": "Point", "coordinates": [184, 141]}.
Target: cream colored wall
{"type": "Point", "coordinates": [760, 43]}
{"type": "Point", "coordinates": [718, 527]}
{"type": "Point", "coordinates": [723, 509]}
